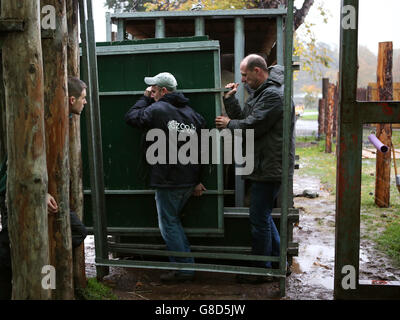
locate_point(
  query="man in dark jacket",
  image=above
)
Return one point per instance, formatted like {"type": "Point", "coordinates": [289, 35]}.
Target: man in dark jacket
{"type": "Point", "coordinates": [161, 107]}
{"type": "Point", "coordinates": [263, 112]}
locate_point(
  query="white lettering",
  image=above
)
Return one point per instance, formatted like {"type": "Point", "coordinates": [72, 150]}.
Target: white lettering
{"type": "Point", "coordinates": [49, 21]}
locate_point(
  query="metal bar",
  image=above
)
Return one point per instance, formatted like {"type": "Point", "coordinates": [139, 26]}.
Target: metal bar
{"type": "Point", "coordinates": [244, 250]}
{"type": "Point", "coordinates": [108, 27]}
{"type": "Point", "coordinates": [192, 247]}
{"type": "Point", "coordinates": [370, 111]}
{"type": "Point", "coordinates": [209, 255]}
{"type": "Point", "coordinates": [279, 40]}
{"type": "Point", "coordinates": [199, 26]}
{"type": "Point", "coordinates": [201, 13]}
{"type": "Point", "coordinates": [194, 232]}
{"type": "Point", "coordinates": [132, 93]}
{"type": "Point", "coordinates": [287, 114]}
{"type": "Point", "coordinates": [145, 192]}
{"type": "Point", "coordinates": [158, 47]}
{"type": "Point", "coordinates": [218, 112]}
{"type": "Point", "coordinates": [239, 55]}
{"type": "Point", "coordinates": [187, 266]}
{"type": "Point", "coordinates": [94, 132]}
{"type": "Point", "coordinates": [121, 30]}
{"type": "Point", "coordinates": [348, 181]}
{"type": "Point", "coordinates": [160, 28]}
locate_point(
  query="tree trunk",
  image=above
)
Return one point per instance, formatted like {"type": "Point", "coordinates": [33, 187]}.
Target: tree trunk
{"type": "Point", "coordinates": [3, 127]}
{"type": "Point", "coordinates": [27, 175]}
{"type": "Point", "coordinates": [301, 14]}
{"type": "Point", "coordinates": [384, 131]}
{"type": "Point", "coordinates": [329, 118]}
{"type": "Point", "coordinates": [321, 117]}
{"type": "Point", "coordinates": [57, 147]}
{"type": "Point", "coordinates": [75, 159]}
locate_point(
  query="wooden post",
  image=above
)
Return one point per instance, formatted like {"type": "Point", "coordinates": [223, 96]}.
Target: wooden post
{"type": "Point", "coordinates": [75, 159]}
{"type": "Point", "coordinates": [329, 118]}
{"type": "Point", "coordinates": [384, 131]}
{"type": "Point", "coordinates": [3, 127]}
{"type": "Point", "coordinates": [335, 109]}
{"type": "Point", "coordinates": [27, 175]}
{"type": "Point", "coordinates": [57, 147]}
{"type": "Point", "coordinates": [321, 118]}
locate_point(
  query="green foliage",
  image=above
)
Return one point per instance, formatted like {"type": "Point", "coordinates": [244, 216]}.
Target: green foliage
{"type": "Point", "coordinates": [126, 5]}
{"type": "Point", "coordinates": [389, 241]}
{"type": "Point", "coordinates": [311, 96]}
{"type": "Point", "coordinates": [95, 291]}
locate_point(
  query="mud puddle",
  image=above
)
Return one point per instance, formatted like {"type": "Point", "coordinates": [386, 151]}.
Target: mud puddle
{"type": "Point", "coordinates": [312, 270]}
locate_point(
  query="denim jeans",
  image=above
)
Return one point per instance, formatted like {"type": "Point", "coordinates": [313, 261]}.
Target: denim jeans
{"type": "Point", "coordinates": [265, 236]}
{"type": "Point", "coordinates": [170, 202]}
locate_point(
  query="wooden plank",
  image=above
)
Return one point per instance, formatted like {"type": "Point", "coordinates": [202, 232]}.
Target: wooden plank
{"type": "Point", "coordinates": [321, 117]}
{"type": "Point", "coordinates": [384, 131]}
{"type": "Point", "coordinates": [329, 118]}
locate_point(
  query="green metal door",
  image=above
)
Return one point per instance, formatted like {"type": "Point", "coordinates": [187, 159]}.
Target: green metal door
{"type": "Point", "coordinates": [130, 203]}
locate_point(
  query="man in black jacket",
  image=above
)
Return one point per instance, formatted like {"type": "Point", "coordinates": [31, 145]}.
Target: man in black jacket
{"type": "Point", "coordinates": [162, 108]}
{"type": "Point", "coordinates": [263, 113]}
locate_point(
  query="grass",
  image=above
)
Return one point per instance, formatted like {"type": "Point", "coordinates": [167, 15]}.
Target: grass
{"type": "Point", "coordinates": [382, 225]}
{"type": "Point", "coordinates": [306, 116]}
{"type": "Point", "coordinates": [95, 291]}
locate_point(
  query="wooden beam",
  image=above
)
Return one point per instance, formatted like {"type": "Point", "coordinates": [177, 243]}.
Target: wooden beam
{"type": "Point", "coordinates": [57, 147]}
{"type": "Point", "coordinates": [27, 175]}
{"type": "Point", "coordinates": [321, 118]}
{"type": "Point", "coordinates": [75, 157]}
{"type": "Point", "coordinates": [11, 25]}
{"type": "Point", "coordinates": [329, 118]}
{"type": "Point", "coordinates": [384, 131]}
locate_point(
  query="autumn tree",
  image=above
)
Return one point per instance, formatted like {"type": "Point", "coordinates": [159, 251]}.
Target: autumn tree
{"type": "Point", "coordinates": [314, 58]}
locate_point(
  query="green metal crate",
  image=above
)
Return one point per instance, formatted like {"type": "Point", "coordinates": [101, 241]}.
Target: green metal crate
{"type": "Point", "coordinates": [130, 203]}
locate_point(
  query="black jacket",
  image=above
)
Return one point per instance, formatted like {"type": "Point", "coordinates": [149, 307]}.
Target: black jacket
{"type": "Point", "coordinates": [263, 112]}
{"type": "Point", "coordinates": [171, 112]}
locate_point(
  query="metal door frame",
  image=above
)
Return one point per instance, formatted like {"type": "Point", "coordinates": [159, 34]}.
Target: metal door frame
{"type": "Point", "coordinates": [96, 166]}
{"type": "Point", "coordinates": [352, 115]}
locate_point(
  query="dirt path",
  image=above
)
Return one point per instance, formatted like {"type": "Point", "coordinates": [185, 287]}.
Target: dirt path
{"type": "Point", "coordinates": [312, 277]}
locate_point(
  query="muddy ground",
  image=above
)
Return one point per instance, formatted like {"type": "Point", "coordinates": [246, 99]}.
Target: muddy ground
{"type": "Point", "coordinates": [311, 279]}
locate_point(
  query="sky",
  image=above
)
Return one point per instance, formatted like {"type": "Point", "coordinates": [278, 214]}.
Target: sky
{"type": "Point", "coordinates": [377, 22]}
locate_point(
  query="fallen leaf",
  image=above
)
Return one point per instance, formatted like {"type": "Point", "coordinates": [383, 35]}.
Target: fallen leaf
{"type": "Point", "coordinates": [321, 265]}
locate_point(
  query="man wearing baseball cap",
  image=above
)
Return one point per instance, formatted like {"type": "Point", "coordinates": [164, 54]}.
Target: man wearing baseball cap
{"type": "Point", "coordinates": [162, 107]}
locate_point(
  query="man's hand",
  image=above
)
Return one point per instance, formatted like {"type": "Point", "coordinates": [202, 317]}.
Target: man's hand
{"type": "Point", "coordinates": [221, 122]}
{"type": "Point", "coordinates": [198, 190]}
{"type": "Point", "coordinates": [147, 92]}
{"type": "Point", "coordinates": [52, 206]}
{"type": "Point", "coordinates": [233, 87]}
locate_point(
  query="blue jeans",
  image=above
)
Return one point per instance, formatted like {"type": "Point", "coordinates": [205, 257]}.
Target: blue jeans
{"type": "Point", "coordinates": [265, 236]}
{"type": "Point", "coordinates": [170, 202]}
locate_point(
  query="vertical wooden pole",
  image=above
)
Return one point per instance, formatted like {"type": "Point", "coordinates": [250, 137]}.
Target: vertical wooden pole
{"type": "Point", "coordinates": [75, 158]}
{"type": "Point", "coordinates": [27, 175]}
{"type": "Point", "coordinates": [329, 118]}
{"type": "Point", "coordinates": [3, 127]}
{"type": "Point", "coordinates": [335, 110]}
{"type": "Point", "coordinates": [321, 118]}
{"type": "Point", "coordinates": [384, 131]}
{"type": "Point", "coordinates": [57, 147]}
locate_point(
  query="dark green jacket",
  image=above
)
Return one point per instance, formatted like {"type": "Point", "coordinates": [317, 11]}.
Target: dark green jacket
{"type": "Point", "coordinates": [263, 112]}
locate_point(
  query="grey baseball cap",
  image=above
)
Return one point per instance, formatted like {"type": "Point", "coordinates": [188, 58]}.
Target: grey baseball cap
{"type": "Point", "coordinates": [163, 79]}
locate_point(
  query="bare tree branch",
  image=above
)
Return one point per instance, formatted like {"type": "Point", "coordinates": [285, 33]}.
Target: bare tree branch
{"type": "Point", "coordinates": [301, 14]}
